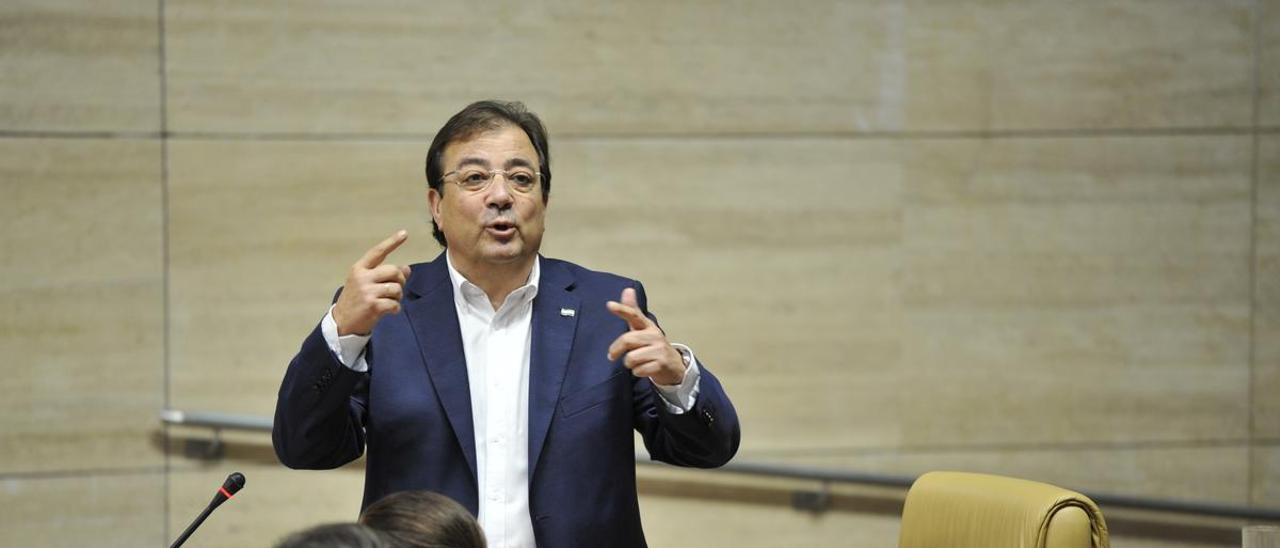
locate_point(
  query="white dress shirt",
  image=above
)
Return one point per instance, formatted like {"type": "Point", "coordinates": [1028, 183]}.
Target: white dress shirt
{"type": "Point", "coordinates": [497, 347]}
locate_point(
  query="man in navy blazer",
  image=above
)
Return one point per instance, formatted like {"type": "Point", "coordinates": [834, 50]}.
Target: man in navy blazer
{"type": "Point", "coordinates": [506, 380]}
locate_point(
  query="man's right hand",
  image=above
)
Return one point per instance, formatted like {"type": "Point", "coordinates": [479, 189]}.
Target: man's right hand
{"type": "Point", "coordinates": [372, 289]}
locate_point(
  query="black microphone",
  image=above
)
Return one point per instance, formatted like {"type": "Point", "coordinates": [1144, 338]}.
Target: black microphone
{"type": "Point", "coordinates": [233, 485]}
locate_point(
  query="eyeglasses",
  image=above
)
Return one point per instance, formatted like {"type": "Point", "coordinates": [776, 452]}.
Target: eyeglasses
{"type": "Point", "coordinates": [522, 180]}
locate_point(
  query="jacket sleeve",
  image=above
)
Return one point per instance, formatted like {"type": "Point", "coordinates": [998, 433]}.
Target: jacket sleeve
{"type": "Point", "coordinates": [706, 436]}
{"type": "Point", "coordinates": [320, 411]}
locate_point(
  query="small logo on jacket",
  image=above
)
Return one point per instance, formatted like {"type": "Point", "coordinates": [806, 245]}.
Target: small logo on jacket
{"type": "Point", "coordinates": [567, 312]}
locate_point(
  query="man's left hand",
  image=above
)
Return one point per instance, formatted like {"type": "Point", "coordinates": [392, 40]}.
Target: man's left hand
{"type": "Point", "coordinates": [646, 350]}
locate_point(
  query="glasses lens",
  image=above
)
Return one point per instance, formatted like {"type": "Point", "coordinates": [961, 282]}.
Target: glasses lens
{"type": "Point", "coordinates": [522, 180]}
{"type": "Point", "coordinates": [474, 179]}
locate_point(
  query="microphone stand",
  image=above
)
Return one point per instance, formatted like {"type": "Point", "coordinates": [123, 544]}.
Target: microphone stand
{"type": "Point", "coordinates": [229, 488]}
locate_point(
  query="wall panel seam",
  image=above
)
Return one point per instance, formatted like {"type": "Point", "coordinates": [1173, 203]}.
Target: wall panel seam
{"type": "Point", "coordinates": [164, 246]}
{"type": "Point", "coordinates": [1255, 104]}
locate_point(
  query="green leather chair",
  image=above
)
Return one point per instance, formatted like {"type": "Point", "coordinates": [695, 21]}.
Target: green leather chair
{"type": "Point", "coordinates": [964, 510]}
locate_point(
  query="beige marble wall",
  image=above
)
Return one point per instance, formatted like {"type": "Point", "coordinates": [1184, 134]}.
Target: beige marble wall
{"type": "Point", "coordinates": [744, 523]}
{"type": "Point", "coordinates": [275, 501]}
{"type": "Point", "coordinates": [104, 508]}
{"type": "Point", "coordinates": [1266, 467]}
{"type": "Point", "coordinates": [82, 322]}
{"type": "Point", "coordinates": [80, 65]}
{"type": "Point", "coordinates": [1268, 25]}
{"type": "Point", "coordinates": [261, 234]}
{"type": "Point", "coordinates": [1266, 380]}
{"type": "Point", "coordinates": [637, 67]}
{"type": "Point", "coordinates": [81, 329]}
{"type": "Point", "coordinates": [1009, 237]}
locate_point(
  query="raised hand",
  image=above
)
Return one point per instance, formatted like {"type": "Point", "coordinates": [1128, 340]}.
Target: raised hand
{"type": "Point", "coordinates": [372, 289]}
{"type": "Point", "coordinates": [646, 350]}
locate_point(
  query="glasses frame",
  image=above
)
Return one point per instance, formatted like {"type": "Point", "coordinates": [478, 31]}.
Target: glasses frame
{"type": "Point", "coordinates": [493, 174]}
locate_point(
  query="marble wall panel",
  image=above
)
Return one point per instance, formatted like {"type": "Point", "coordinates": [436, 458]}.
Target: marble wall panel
{"type": "Point", "coordinates": [1032, 65]}
{"type": "Point", "coordinates": [80, 65]}
{"type": "Point", "coordinates": [396, 67]}
{"type": "Point", "coordinates": [1267, 26]}
{"type": "Point", "coordinates": [275, 501]}
{"type": "Point", "coordinates": [1266, 328]}
{"type": "Point", "coordinates": [1076, 290]}
{"type": "Point", "coordinates": [1198, 473]}
{"type": "Point", "coordinates": [1133, 541]}
{"type": "Point", "coordinates": [675, 67]}
{"type": "Point", "coordinates": [729, 523]}
{"type": "Point", "coordinates": [1003, 290]}
{"type": "Point", "coordinates": [774, 259]}
{"type": "Point", "coordinates": [261, 235]}
{"type": "Point", "coordinates": [81, 305]}
{"type": "Point", "coordinates": [1265, 490]}
{"type": "Point", "coordinates": [123, 510]}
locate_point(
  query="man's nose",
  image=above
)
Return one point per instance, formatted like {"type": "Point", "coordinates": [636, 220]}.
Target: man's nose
{"type": "Point", "coordinates": [499, 194]}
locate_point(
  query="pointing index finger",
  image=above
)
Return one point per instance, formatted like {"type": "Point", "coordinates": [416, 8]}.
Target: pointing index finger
{"type": "Point", "coordinates": [378, 253]}
{"type": "Point", "coordinates": [635, 320]}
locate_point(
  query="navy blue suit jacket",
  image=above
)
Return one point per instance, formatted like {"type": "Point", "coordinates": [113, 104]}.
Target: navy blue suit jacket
{"type": "Point", "coordinates": [412, 409]}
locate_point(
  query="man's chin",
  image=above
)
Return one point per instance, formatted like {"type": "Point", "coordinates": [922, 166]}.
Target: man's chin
{"type": "Point", "coordinates": [504, 252]}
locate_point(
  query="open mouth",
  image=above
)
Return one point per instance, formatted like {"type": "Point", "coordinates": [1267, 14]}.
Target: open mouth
{"type": "Point", "coordinates": [501, 229]}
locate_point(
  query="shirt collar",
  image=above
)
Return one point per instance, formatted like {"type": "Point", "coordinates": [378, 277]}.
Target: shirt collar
{"type": "Point", "coordinates": [469, 294]}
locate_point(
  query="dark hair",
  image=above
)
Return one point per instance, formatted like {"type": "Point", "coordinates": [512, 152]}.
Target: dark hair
{"type": "Point", "coordinates": [478, 117]}
{"type": "Point", "coordinates": [339, 535]}
{"type": "Point", "coordinates": [423, 519]}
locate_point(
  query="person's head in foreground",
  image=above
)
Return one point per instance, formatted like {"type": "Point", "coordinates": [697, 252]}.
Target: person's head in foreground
{"type": "Point", "coordinates": [423, 519]}
{"type": "Point", "coordinates": [338, 535]}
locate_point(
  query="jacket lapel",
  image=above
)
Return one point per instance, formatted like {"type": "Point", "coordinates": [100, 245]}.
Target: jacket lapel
{"type": "Point", "coordinates": [435, 323]}
{"type": "Point", "coordinates": [555, 320]}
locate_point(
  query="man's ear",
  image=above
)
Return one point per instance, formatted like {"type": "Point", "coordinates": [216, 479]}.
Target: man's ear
{"type": "Point", "coordinates": [433, 204]}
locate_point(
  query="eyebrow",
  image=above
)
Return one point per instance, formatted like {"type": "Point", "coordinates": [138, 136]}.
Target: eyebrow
{"type": "Point", "coordinates": [478, 161]}
{"type": "Point", "coordinates": [473, 161]}
{"type": "Point", "coordinates": [519, 162]}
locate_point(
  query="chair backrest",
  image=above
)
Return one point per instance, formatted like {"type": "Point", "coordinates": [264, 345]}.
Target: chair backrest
{"type": "Point", "coordinates": [964, 510]}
